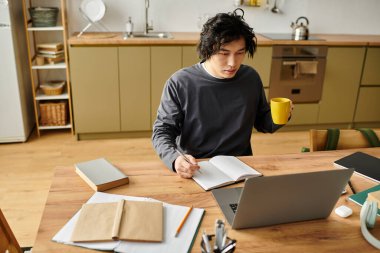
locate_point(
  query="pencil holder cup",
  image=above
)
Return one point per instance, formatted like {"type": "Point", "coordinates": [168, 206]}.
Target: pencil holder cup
{"type": "Point", "coordinates": [228, 248]}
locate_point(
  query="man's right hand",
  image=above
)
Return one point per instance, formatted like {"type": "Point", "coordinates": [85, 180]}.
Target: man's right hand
{"type": "Point", "coordinates": [185, 169]}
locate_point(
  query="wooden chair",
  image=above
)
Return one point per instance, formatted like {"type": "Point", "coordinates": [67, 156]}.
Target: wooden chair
{"type": "Point", "coordinates": [7, 239]}
{"type": "Point", "coordinates": [348, 139]}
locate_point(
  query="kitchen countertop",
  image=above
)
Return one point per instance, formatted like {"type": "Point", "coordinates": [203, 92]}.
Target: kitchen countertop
{"type": "Point", "coordinates": [180, 38]}
{"type": "Point", "coordinates": [191, 38]}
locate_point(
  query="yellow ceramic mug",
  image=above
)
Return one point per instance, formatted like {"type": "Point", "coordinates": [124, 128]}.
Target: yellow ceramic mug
{"type": "Point", "coordinates": [280, 108]}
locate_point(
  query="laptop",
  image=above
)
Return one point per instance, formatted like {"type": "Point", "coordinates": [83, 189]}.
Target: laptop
{"type": "Point", "coordinates": [271, 200]}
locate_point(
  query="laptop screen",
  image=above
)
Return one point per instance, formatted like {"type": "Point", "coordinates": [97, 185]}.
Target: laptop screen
{"type": "Point", "coordinates": [280, 199]}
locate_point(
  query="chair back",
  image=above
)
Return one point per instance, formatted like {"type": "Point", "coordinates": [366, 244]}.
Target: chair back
{"type": "Point", "coordinates": [347, 139]}
{"type": "Point", "coordinates": [7, 239]}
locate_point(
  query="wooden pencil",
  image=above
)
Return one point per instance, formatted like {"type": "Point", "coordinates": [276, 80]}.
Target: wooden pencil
{"type": "Point", "coordinates": [183, 221]}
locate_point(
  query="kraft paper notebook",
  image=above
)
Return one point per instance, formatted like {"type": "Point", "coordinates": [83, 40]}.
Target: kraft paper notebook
{"type": "Point", "coordinates": [100, 174]}
{"type": "Point", "coordinates": [222, 170]}
{"type": "Point", "coordinates": [173, 216]}
{"type": "Point", "coordinates": [123, 220]}
{"type": "Point", "coordinates": [365, 165]}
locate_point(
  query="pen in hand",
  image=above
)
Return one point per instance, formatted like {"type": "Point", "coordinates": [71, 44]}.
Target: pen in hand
{"type": "Point", "coordinates": [185, 158]}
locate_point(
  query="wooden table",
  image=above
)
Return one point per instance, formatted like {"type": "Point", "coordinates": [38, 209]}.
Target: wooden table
{"type": "Point", "coordinates": [151, 179]}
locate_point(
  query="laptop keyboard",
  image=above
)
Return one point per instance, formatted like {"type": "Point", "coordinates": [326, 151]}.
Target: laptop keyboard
{"type": "Point", "coordinates": [234, 207]}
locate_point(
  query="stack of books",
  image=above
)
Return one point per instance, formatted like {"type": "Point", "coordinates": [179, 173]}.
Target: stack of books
{"type": "Point", "coordinates": [52, 52]}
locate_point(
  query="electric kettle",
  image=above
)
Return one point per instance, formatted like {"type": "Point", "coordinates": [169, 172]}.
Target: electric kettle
{"type": "Point", "coordinates": [300, 31]}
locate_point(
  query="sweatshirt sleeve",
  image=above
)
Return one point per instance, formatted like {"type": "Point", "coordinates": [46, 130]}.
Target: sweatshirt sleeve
{"type": "Point", "coordinates": [167, 125]}
{"type": "Point", "coordinates": [263, 121]}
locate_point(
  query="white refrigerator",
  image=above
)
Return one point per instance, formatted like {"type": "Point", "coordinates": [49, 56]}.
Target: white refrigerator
{"type": "Point", "coordinates": [16, 100]}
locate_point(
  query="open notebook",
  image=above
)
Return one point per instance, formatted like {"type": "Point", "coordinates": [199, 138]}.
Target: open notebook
{"type": "Point", "coordinates": [222, 170]}
{"type": "Point", "coordinates": [173, 215]}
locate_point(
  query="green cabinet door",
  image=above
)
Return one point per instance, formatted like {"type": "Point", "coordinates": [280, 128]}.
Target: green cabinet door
{"type": "Point", "coordinates": [371, 73]}
{"type": "Point", "coordinates": [340, 88]}
{"type": "Point", "coordinates": [367, 109]}
{"type": "Point", "coordinates": [304, 114]}
{"type": "Point", "coordinates": [261, 61]}
{"type": "Point", "coordinates": [95, 89]}
{"type": "Point", "coordinates": [189, 56]}
{"type": "Point", "coordinates": [165, 60]}
{"type": "Point", "coordinates": [134, 72]}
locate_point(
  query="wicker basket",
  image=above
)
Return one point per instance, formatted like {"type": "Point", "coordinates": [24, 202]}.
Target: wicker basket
{"type": "Point", "coordinates": [53, 87]}
{"type": "Point", "coordinates": [44, 16]}
{"type": "Point", "coordinates": [53, 114]}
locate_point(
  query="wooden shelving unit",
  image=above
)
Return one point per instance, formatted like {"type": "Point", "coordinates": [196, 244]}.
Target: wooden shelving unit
{"type": "Point", "coordinates": [48, 72]}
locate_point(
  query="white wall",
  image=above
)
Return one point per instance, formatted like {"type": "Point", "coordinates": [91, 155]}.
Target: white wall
{"type": "Point", "coordinates": [325, 16]}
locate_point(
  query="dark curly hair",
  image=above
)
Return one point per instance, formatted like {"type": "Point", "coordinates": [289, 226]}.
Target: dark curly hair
{"type": "Point", "coordinates": [222, 29]}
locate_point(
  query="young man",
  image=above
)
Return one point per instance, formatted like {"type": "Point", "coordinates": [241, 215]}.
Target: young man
{"type": "Point", "coordinates": [210, 108]}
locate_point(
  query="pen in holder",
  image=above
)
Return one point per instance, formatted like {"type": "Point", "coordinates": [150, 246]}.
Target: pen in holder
{"type": "Point", "coordinates": [220, 241]}
{"type": "Point", "coordinates": [228, 248]}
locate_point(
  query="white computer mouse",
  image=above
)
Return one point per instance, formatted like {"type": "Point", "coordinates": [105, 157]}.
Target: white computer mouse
{"type": "Point", "coordinates": [343, 211]}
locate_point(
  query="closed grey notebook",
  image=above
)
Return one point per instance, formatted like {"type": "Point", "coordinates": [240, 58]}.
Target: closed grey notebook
{"type": "Point", "coordinates": [100, 174]}
{"type": "Point", "coordinates": [364, 164]}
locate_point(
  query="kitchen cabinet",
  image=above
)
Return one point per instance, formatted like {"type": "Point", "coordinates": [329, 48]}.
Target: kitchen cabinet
{"type": "Point", "coordinates": [134, 73]}
{"type": "Point", "coordinates": [95, 89]}
{"type": "Point", "coordinates": [369, 93]}
{"type": "Point", "coordinates": [261, 61]}
{"type": "Point", "coordinates": [120, 88]}
{"type": "Point", "coordinates": [304, 114]}
{"type": "Point", "coordinates": [367, 109]}
{"type": "Point", "coordinates": [341, 85]}
{"type": "Point", "coordinates": [118, 97]}
{"type": "Point", "coordinates": [165, 60]}
{"type": "Point", "coordinates": [371, 73]}
{"type": "Point", "coordinates": [189, 56]}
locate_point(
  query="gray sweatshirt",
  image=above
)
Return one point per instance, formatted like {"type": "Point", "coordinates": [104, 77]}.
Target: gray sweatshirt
{"type": "Point", "coordinates": [205, 116]}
